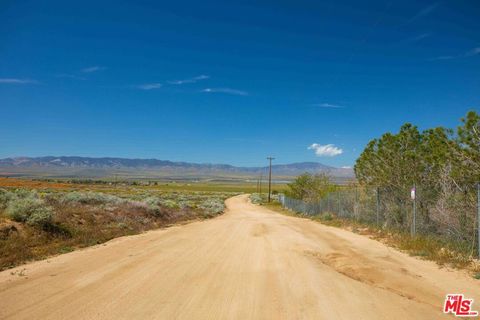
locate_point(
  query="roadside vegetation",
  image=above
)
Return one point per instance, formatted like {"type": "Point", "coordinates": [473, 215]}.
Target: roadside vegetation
{"type": "Point", "coordinates": [262, 198]}
{"type": "Point", "coordinates": [444, 167]}
{"type": "Point", "coordinates": [35, 224]}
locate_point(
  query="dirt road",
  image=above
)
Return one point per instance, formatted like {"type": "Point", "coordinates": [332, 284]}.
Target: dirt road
{"type": "Point", "coordinates": [249, 263]}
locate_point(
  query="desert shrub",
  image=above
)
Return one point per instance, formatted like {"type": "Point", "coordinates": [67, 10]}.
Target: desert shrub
{"type": "Point", "coordinates": [30, 210]}
{"type": "Point", "coordinates": [25, 193]}
{"type": "Point", "coordinates": [137, 205]}
{"type": "Point", "coordinates": [256, 198]}
{"type": "Point", "coordinates": [152, 205]}
{"type": "Point", "coordinates": [5, 197]}
{"type": "Point", "coordinates": [213, 206]}
{"type": "Point", "coordinates": [41, 216]}
{"type": "Point", "coordinates": [326, 216]}
{"type": "Point", "coordinates": [171, 204]}
{"type": "Point", "coordinates": [91, 198]}
{"type": "Point", "coordinates": [186, 204]}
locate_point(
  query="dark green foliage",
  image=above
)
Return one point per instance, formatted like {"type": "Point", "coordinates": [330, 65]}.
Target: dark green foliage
{"type": "Point", "coordinates": [310, 187]}
{"type": "Point", "coordinates": [443, 164]}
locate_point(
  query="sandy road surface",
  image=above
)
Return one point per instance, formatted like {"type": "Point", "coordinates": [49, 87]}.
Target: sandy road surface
{"type": "Point", "coordinates": [249, 263]}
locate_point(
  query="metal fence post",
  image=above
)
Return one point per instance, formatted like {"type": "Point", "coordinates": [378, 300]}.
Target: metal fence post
{"type": "Point", "coordinates": [338, 200]}
{"type": "Point", "coordinates": [328, 203]}
{"type": "Point", "coordinates": [414, 227]}
{"type": "Point", "coordinates": [378, 205]}
{"type": "Point", "coordinates": [478, 217]}
{"type": "Point", "coordinates": [355, 211]}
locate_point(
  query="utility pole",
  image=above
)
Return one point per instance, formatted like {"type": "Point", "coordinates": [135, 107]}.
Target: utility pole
{"type": "Point", "coordinates": [260, 184]}
{"type": "Point", "coordinates": [270, 178]}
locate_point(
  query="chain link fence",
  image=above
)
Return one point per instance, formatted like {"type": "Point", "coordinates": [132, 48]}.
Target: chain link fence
{"type": "Point", "coordinates": [452, 214]}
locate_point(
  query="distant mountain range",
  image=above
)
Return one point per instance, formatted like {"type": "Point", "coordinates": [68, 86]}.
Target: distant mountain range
{"type": "Point", "coordinates": [87, 167]}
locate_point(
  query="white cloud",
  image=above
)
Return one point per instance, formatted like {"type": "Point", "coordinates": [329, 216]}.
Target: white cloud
{"type": "Point", "coordinates": [328, 150]}
{"type": "Point", "coordinates": [70, 76]}
{"type": "Point", "coordinates": [473, 52]}
{"type": "Point", "coordinates": [93, 69]}
{"type": "Point", "coordinates": [346, 167]}
{"type": "Point", "coordinates": [329, 105]}
{"type": "Point", "coordinates": [469, 53]}
{"type": "Point", "coordinates": [226, 90]}
{"type": "Point", "coordinates": [191, 80]}
{"type": "Point", "coordinates": [17, 81]}
{"type": "Point", "coordinates": [418, 37]}
{"type": "Point", "coordinates": [150, 86]}
{"type": "Point", "coordinates": [444, 58]}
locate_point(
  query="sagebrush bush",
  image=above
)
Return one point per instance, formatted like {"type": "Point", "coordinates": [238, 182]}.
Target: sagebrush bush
{"type": "Point", "coordinates": [172, 204]}
{"type": "Point", "coordinates": [30, 210]}
{"type": "Point", "coordinates": [327, 216]}
{"type": "Point", "coordinates": [187, 204]}
{"type": "Point", "coordinates": [152, 205]}
{"type": "Point", "coordinates": [256, 198]}
{"type": "Point", "coordinates": [5, 197]}
{"type": "Point", "coordinates": [91, 198]}
{"type": "Point", "coordinates": [41, 216]}
{"type": "Point", "coordinates": [25, 193]}
{"type": "Point", "coordinates": [213, 206]}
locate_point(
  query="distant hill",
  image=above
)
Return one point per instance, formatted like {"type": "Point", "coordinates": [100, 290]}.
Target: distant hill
{"type": "Point", "coordinates": [87, 167]}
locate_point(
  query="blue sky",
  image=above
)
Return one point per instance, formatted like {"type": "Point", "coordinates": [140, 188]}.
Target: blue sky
{"type": "Point", "coordinates": [225, 82]}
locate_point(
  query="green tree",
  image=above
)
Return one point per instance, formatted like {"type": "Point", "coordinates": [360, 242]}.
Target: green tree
{"type": "Point", "coordinates": [444, 166]}
{"type": "Point", "coordinates": [310, 187]}
{"type": "Point", "coordinates": [469, 142]}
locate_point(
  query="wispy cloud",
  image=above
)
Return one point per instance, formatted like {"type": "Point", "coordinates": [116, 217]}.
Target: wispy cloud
{"type": "Point", "coordinates": [328, 150]}
{"type": "Point", "coordinates": [70, 76]}
{"type": "Point", "coordinates": [17, 81]}
{"type": "Point", "coordinates": [443, 58]}
{"type": "Point", "coordinates": [226, 90]}
{"type": "Point", "coordinates": [190, 80]}
{"type": "Point", "coordinates": [245, 140]}
{"type": "Point", "coordinates": [423, 12]}
{"type": "Point", "coordinates": [346, 167]}
{"type": "Point", "coordinates": [418, 37]}
{"type": "Point", "coordinates": [150, 86]}
{"type": "Point", "coordinates": [469, 53]}
{"type": "Point", "coordinates": [93, 69]}
{"type": "Point", "coordinates": [328, 105]}
{"type": "Point", "coordinates": [472, 52]}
